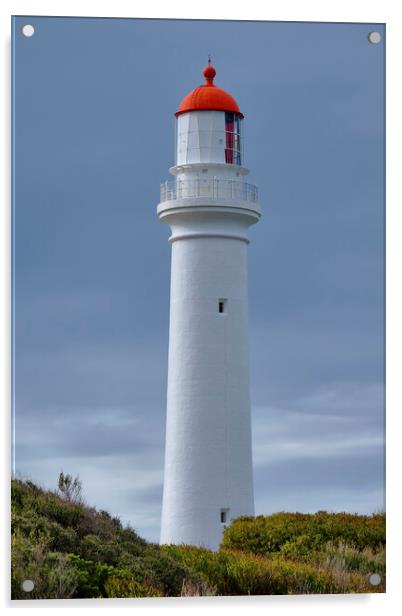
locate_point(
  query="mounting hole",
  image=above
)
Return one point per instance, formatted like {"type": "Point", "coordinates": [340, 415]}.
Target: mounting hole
{"type": "Point", "coordinates": [28, 30]}
{"type": "Point", "coordinates": [374, 579]}
{"type": "Point", "coordinates": [374, 37]}
{"type": "Point", "coordinates": [27, 585]}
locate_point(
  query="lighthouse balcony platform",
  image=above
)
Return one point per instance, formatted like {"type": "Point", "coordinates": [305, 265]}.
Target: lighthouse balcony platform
{"type": "Point", "coordinates": [214, 189]}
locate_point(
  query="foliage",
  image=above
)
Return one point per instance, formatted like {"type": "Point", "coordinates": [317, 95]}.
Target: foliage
{"type": "Point", "coordinates": [96, 579]}
{"type": "Point", "coordinates": [70, 488]}
{"type": "Point", "coordinates": [123, 585]}
{"type": "Point", "coordinates": [91, 577]}
{"type": "Point", "coordinates": [346, 557]}
{"type": "Point", "coordinates": [237, 573]}
{"type": "Point", "coordinates": [297, 534]}
{"type": "Point", "coordinates": [169, 575]}
{"type": "Point", "coordinates": [66, 548]}
{"type": "Point", "coordinates": [51, 573]}
{"type": "Point", "coordinates": [70, 550]}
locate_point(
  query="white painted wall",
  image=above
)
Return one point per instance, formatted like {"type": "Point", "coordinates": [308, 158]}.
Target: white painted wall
{"type": "Point", "coordinates": [208, 461]}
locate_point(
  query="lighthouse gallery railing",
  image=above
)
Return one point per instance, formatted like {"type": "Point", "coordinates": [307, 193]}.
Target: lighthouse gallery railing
{"type": "Point", "coordinates": [212, 188]}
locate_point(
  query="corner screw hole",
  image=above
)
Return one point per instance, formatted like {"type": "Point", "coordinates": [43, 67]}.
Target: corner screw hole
{"type": "Point", "coordinates": [27, 585]}
{"type": "Point", "coordinates": [28, 30]}
{"type": "Point", "coordinates": [374, 37]}
{"type": "Point", "coordinates": [374, 579]}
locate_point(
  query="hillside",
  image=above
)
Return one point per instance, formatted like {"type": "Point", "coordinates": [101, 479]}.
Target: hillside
{"type": "Point", "coordinates": [71, 550]}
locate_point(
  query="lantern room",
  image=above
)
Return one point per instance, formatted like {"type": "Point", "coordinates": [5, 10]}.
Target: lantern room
{"type": "Point", "coordinates": [209, 125]}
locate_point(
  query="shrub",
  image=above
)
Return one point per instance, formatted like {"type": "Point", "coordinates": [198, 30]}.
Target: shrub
{"type": "Point", "coordinates": [95, 580]}
{"type": "Point", "coordinates": [133, 547]}
{"type": "Point", "coordinates": [114, 521]}
{"type": "Point", "coordinates": [128, 536]}
{"type": "Point", "coordinates": [341, 559]}
{"type": "Point", "coordinates": [202, 561]}
{"type": "Point", "coordinates": [27, 557]}
{"type": "Point", "coordinates": [196, 589]}
{"type": "Point", "coordinates": [18, 492]}
{"type": "Point", "coordinates": [51, 573]}
{"type": "Point", "coordinates": [52, 507]}
{"type": "Point", "coordinates": [121, 584]}
{"type": "Point", "coordinates": [93, 548]}
{"type": "Point", "coordinates": [61, 578]}
{"type": "Point", "coordinates": [70, 488]}
{"type": "Point", "coordinates": [237, 573]}
{"type": "Point", "coordinates": [62, 539]}
{"type": "Point", "coordinates": [29, 523]}
{"type": "Point", "coordinates": [91, 577]}
{"type": "Point", "coordinates": [293, 532]}
{"type": "Point", "coordinates": [299, 548]}
{"type": "Point", "coordinates": [366, 560]}
{"type": "Point", "coordinates": [162, 572]}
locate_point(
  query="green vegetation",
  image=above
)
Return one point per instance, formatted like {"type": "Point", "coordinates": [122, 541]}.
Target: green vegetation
{"type": "Point", "coordinates": [70, 550]}
{"type": "Point", "coordinates": [298, 534]}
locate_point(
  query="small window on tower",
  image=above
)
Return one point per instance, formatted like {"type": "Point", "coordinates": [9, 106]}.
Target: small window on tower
{"type": "Point", "coordinates": [222, 306]}
{"type": "Point", "coordinates": [224, 516]}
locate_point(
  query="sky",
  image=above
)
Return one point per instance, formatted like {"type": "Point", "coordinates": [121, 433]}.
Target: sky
{"type": "Point", "coordinates": [94, 103]}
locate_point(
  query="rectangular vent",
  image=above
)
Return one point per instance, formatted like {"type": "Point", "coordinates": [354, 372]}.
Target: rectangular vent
{"type": "Point", "coordinates": [224, 516]}
{"type": "Point", "coordinates": [222, 306]}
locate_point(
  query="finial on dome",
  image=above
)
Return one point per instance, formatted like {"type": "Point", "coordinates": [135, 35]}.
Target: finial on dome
{"type": "Point", "coordinates": [209, 73]}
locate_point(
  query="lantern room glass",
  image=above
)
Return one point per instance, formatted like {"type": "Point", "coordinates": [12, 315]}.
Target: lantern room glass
{"type": "Point", "coordinates": [233, 138]}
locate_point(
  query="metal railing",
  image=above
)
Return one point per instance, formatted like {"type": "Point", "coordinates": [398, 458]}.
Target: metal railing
{"type": "Point", "coordinates": [212, 188]}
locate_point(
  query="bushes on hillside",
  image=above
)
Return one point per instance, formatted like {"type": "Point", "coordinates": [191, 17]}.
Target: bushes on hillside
{"type": "Point", "coordinates": [237, 573]}
{"type": "Point", "coordinates": [69, 526]}
{"type": "Point", "coordinates": [343, 556]}
{"type": "Point", "coordinates": [157, 569]}
{"type": "Point", "coordinates": [52, 574]}
{"type": "Point", "coordinates": [70, 550]}
{"type": "Point", "coordinates": [296, 534]}
{"type": "Point", "coordinates": [122, 585]}
{"type": "Point", "coordinates": [88, 551]}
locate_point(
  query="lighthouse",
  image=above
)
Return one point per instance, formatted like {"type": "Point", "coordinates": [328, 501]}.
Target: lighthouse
{"type": "Point", "coordinates": [208, 475]}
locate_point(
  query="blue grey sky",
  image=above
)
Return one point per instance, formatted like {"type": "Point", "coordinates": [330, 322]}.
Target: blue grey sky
{"type": "Point", "coordinates": [94, 137]}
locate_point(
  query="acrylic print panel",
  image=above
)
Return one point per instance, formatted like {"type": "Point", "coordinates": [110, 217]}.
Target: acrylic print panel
{"type": "Point", "coordinates": [173, 399]}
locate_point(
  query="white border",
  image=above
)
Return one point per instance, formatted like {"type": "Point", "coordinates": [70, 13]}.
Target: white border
{"type": "Point", "coordinates": [380, 11]}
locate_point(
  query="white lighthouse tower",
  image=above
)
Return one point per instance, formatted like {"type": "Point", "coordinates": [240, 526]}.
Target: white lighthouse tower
{"type": "Point", "coordinates": [208, 477]}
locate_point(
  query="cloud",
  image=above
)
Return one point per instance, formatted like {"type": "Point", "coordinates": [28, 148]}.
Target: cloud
{"type": "Point", "coordinates": [353, 482]}
{"type": "Point", "coordinates": [324, 452]}
{"type": "Point", "coordinates": [331, 422]}
{"type": "Point", "coordinates": [86, 432]}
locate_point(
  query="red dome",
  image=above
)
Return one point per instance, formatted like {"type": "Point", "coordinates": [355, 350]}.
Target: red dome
{"type": "Point", "coordinates": [208, 97]}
